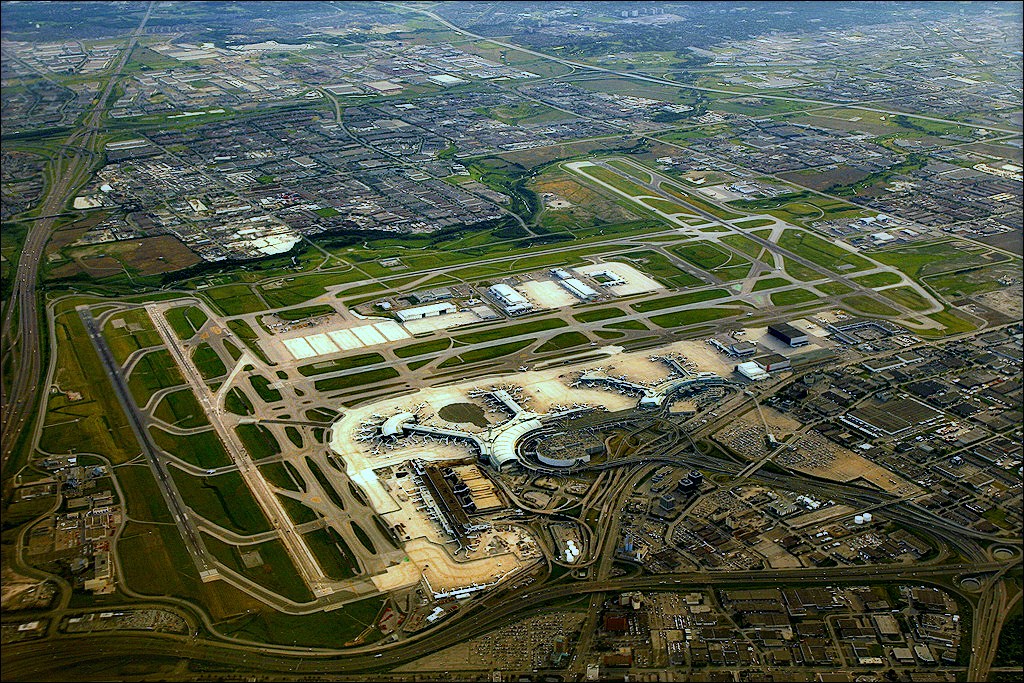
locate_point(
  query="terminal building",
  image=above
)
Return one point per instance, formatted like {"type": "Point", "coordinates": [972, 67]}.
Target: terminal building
{"type": "Point", "coordinates": [511, 300]}
{"type": "Point", "coordinates": [427, 311]}
{"type": "Point", "coordinates": [788, 334]}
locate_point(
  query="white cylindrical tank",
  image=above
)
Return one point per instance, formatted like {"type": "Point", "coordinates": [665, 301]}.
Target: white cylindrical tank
{"type": "Point", "coordinates": [859, 519]}
{"type": "Point", "coordinates": [867, 516]}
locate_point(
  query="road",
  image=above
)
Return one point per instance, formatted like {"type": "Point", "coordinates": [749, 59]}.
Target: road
{"type": "Point", "coordinates": [19, 331]}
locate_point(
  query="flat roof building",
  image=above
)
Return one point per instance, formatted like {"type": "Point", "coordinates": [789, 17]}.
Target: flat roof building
{"type": "Point", "coordinates": [425, 311]}
{"type": "Point", "coordinates": [787, 333]}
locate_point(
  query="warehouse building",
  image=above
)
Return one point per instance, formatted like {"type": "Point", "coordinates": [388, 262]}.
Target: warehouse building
{"type": "Point", "coordinates": [576, 287]}
{"type": "Point", "coordinates": [771, 362]}
{"type": "Point", "coordinates": [428, 311]}
{"type": "Point", "coordinates": [788, 334]}
{"type": "Point", "coordinates": [511, 300]}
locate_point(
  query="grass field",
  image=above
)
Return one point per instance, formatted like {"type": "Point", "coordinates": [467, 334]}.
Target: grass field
{"type": "Point", "coordinates": [662, 269]}
{"type": "Point", "coordinates": [631, 170]}
{"type": "Point", "coordinates": [564, 340]}
{"type": "Point", "coordinates": [274, 571]}
{"type": "Point", "coordinates": [907, 297]}
{"type": "Point", "coordinates": [325, 484]}
{"type": "Point", "coordinates": [679, 300]}
{"type": "Point", "coordinates": [753, 223]}
{"type": "Point", "coordinates": [744, 244]}
{"type": "Point", "coordinates": [506, 332]}
{"type": "Point", "coordinates": [279, 475]}
{"type": "Point", "coordinates": [224, 500]}
{"type": "Point", "coordinates": [488, 352]}
{"type": "Point", "coordinates": [869, 306]}
{"type": "Point", "coordinates": [142, 495]}
{"type": "Point", "coordinates": [697, 202]}
{"type": "Point", "coordinates": [703, 255]}
{"type": "Point", "coordinates": [94, 422]}
{"type": "Point", "coordinates": [236, 401]}
{"type": "Point", "coordinates": [203, 449]}
{"type": "Point", "coordinates": [244, 332]}
{"type": "Point", "coordinates": [294, 436]}
{"type": "Point", "coordinates": [185, 320]}
{"type": "Point", "coordinates": [615, 180]}
{"type": "Point", "coordinates": [262, 386]}
{"type": "Point", "coordinates": [800, 271]}
{"type": "Point", "coordinates": [793, 296]}
{"type": "Point", "coordinates": [207, 361]}
{"type": "Point", "coordinates": [691, 317]}
{"type": "Point", "coordinates": [332, 553]}
{"type": "Point", "coordinates": [301, 313]}
{"type": "Point", "coordinates": [833, 288]}
{"type": "Point", "coordinates": [599, 314]}
{"type": "Point", "coordinates": [155, 561]}
{"type": "Point", "coordinates": [627, 325]}
{"type": "Point", "coordinates": [258, 440]}
{"type": "Point", "coordinates": [181, 409]}
{"type": "Point", "coordinates": [154, 371]}
{"type": "Point", "coordinates": [928, 259]}
{"type": "Point", "coordinates": [819, 251]}
{"type": "Point", "coordinates": [418, 349]}
{"type": "Point", "coordinates": [129, 331]}
{"type": "Point", "coordinates": [320, 629]}
{"type": "Point", "coordinates": [355, 379]}
{"type": "Point", "coordinates": [344, 363]}
{"type": "Point", "coordinates": [770, 283]}
{"type": "Point", "coordinates": [297, 512]}
{"type": "Point", "coordinates": [234, 299]}
{"type": "Point", "coordinates": [877, 279]}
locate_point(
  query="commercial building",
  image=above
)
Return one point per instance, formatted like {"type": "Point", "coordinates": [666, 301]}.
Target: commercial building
{"type": "Point", "coordinates": [770, 362]}
{"type": "Point", "coordinates": [428, 311]}
{"type": "Point", "coordinates": [788, 334]}
{"type": "Point", "coordinates": [752, 370]}
{"type": "Point", "coordinates": [511, 300]}
{"type": "Point", "coordinates": [575, 286]}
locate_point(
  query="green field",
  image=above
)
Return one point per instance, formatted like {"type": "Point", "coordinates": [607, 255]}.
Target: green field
{"type": "Point", "coordinates": [627, 325]}
{"type": "Point", "coordinates": [355, 379]}
{"type": "Point", "coordinates": [142, 495]}
{"type": "Point", "coordinates": [833, 288]}
{"type": "Point", "coordinates": [753, 223]}
{"type": "Point", "coordinates": [244, 332]}
{"type": "Point", "coordinates": [679, 300]}
{"type": "Point", "coordinates": [294, 436]}
{"type": "Point", "coordinates": [292, 314]}
{"type": "Point", "coordinates": [321, 629]}
{"type": "Point", "coordinates": [297, 512]}
{"type": "Point", "coordinates": [262, 386]}
{"type": "Point", "coordinates": [421, 348]}
{"type": "Point", "coordinates": [631, 170]}
{"type": "Point", "coordinates": [155, 370]}
{"type": "Point", "coordinates": [274, 570]}
{"type": "Point", "coordinates": [691, 317]}
{"type": "Point", "coordinates": [928, 259]}
{"type": "Point", "coordinates": [258, 440]}
{"type": "Point", "coordinates": [181, 409]}
{"type": "Point", "coordinates": [332, 553]}
{"type": "Point", "coordinates": [280, 476]}
{"type": "Point", "coordinates": [599, 314]}
{"type": "Point", "coordinates": [770, 283]}
{"type": "Point", "coordinates": [869, 306]}
{"type": "Point", "coordinates": [744, 244]}
{"type": "Point", "coordinates": [236, 401]}
{"type": "Point", "coordinates": [615, 180]}
{"type": "Point", "coordinates": [564, 340]}
{"type": "Point", "coordinates": [234, 299]}
{"type": "Point", "coordinates": [800, 271]}
{"type": "Point", "coordinates": [793, 296]}
{"type": "Point", "coordinates": [697, 202]}
{"type": "Point", "coordinates": [223, 499]}
{"type": "Point", "coordinates": [877, 280]}
{"type": "Point", "coordinates": [202, 449]}
{"type": "Point", "coordinates": [185, 320]}
{"type": "Point", "coordinates": [208, 362]}
{"type": "Point", "coordinates": [662, 269]}
{"type": "Point", "coordinates": [156, 562]}
{"type": "Point", "coordinates": [344, 363]}
{"type": "Point", "coordinates": [825, 254]}
{"type": "Point", "coordinates": [326, 485]}
{"type": "Point", "coordinates": [907, 297]}
{"type": "Point", "coordinates": [129, 331]}
{"type": "Point", "coordinates": [703, 255]}
{"type": "Point", "coordinates": [486, 353]}
{"type": "Point", "coordinates": [506, 332]}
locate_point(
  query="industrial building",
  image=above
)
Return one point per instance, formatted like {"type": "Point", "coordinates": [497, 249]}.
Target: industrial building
{"type": "Point", "coordinates": [771, 362]}
{"type": "Point", "coordinates": [752, 370]}
{"type": "Point", "coordinates": [427, 311]}
{"type": "Point", "coordinates": [575, 286]}
{"type": "Point", "coordinates": [788, 334]}
{"type": "Point", "coordinates": [511, 300]}
{"type": "Point", "coordinates": [732, 347]}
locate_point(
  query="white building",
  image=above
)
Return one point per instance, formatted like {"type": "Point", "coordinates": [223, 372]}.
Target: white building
{"type": "Point", "coordinates": [510, 299]}
{"type": "Point", "coordinates": [751, 370]}
{"type": "Point", "coordinates": [427, 311]}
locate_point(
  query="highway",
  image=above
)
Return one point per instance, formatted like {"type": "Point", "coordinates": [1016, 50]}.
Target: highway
{"type": "Point", "coordinates": [22, 345]}
{"type": "Point", "coordinates": [99, 654]}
